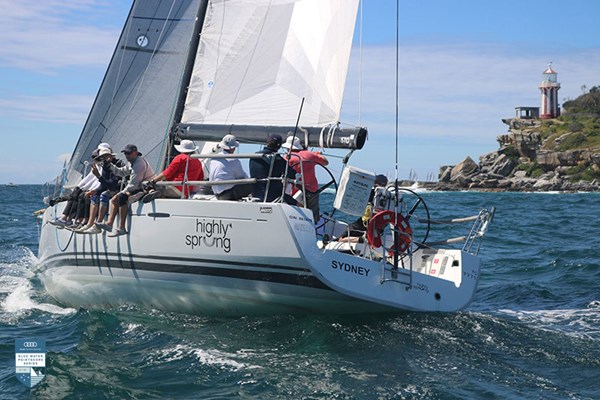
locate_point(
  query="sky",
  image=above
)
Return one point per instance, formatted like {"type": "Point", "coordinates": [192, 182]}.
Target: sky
{"type": "Point", "coordinates": [463, 66]}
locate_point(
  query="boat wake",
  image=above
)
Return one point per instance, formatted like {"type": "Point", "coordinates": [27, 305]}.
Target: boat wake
{"type": "Point", "coordinates": [19, 293]}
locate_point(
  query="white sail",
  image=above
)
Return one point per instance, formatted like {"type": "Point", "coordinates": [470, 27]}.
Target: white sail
{"type": "Point", "coordinates": [257, 59]}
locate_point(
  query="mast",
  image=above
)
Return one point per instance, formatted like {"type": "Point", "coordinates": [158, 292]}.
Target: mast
{"type": "Point", "coordinates": [185, 81]}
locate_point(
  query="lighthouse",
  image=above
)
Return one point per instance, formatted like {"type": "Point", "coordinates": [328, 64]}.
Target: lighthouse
{"type": "Point", "coordinates": [549, 88]}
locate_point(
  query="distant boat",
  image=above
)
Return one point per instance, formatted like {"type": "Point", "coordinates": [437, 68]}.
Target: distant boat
{"type": "Point", "coordinates": [201, 70]}
{"type": "Point", "coordinates": [10, 184]}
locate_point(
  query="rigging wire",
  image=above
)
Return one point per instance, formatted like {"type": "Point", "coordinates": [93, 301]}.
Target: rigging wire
{"type": "Point", "coordinates": [117, 79]}
{"type": "Point", "coordinates": [71, 163]}
{"type": "Point", "coordinates": [396, 238]}
{"type": "Point", "coordinates": [397, 79]}
{"type": "Point", "coordinates": [360, 49]}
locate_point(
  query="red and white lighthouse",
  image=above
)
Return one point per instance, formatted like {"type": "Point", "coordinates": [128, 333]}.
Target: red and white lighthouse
{"type": "Point", "coordinates": [549, 88]}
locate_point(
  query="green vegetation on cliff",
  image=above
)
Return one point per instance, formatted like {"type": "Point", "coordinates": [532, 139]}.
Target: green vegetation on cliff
{"type": "Point", "coordinates": [587, 103]}
{"type": "Point", "coordinates": [578, 127]}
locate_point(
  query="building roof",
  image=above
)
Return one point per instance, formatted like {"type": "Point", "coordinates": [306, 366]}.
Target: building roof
{"type": "Point", "coordinates": [526, 108]}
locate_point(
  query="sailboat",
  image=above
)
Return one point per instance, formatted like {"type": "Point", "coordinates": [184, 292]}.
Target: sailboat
{"type": "Point", "coordinates": [198, 70]}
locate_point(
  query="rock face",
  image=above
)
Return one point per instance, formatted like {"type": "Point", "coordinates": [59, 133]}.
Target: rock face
{"type": "Point", "coordinates": [502, 170]}
{"type": "Point", "coordinates": [503, 165]}
{"type": "Point", "coordinates": [461, 173]}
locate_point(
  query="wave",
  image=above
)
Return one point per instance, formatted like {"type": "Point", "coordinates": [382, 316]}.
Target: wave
{"type": "Point", "coordinates": [206, 357]}
{"type": "Point", "coordinates": [18, 292]}
{"type": "Point", "coordinates": [579, 323]}
{"type": "Point", "coordinates": [21, 301]}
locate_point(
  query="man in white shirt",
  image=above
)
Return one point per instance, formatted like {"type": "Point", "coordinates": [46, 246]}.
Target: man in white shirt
{"type": "Point", "coordinates": [222, 169]}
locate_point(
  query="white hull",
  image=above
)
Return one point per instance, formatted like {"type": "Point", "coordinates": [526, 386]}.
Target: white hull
{"type": "Point", "coordinates": [237, 258]}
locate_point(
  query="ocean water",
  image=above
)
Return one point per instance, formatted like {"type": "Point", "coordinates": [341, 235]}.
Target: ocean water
{"type": "Point", "coordinates": [533, 331]}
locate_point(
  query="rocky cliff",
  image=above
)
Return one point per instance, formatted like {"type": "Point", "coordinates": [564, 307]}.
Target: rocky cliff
{"type": "Point", "coordinates": [534, 155]}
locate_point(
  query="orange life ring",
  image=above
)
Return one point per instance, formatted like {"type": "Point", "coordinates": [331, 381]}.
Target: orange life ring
{"type": "Point", "coordinates": [379, 221]}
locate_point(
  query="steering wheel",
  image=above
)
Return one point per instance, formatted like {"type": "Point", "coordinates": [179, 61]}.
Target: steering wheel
{"type": "Point", "coordinates": [333, 182]}
{"type": "Point", "coordinates": [416, 212]}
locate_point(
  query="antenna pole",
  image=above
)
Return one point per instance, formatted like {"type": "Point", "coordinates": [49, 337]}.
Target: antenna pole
{"type": "Point", "coordinates": [296, 126]}
{"type": "Point", "coordinates": [289, 152]}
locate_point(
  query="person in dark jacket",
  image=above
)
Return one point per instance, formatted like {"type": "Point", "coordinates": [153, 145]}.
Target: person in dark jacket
{"type": "Point", "coordinates": [100, 196]}
{"type": "Point", "coordinates": [259, 169]}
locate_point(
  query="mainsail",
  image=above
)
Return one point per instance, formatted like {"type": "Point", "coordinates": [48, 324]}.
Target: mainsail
{"type": "Point", "coordinates": [258, 59]}
{"type": "Point", "coordinates": [138, 95]}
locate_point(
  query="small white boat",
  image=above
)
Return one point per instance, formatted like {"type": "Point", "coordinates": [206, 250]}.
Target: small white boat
{"type": "Point", "coordinates": [191, 69]}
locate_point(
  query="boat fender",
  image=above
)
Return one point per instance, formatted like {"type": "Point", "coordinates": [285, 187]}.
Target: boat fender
{"type": "Point", "coordinates": [379, 221]}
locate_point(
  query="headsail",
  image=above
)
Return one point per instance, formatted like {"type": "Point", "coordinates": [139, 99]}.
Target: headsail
{"type": "Point", "coordinates": [258, 59]}
{"type": "Point", "coordinates": [139, 92]}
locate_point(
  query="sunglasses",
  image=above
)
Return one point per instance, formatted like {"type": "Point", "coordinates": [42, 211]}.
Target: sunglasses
{"type": "Point", "coordinates": [127, 153]}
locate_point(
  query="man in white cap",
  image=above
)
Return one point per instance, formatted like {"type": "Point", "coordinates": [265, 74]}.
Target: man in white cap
{"type": "Point", "coordinates": [78, 205]}
{"type": "Point", "coordinates": [101, 194]}
{"type": "Point", "coordinates": [182, 168]}
{"type": "Point", "coordinates": [224, 169]}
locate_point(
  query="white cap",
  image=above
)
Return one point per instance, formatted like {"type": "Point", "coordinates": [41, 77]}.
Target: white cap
{"type": "Point", "coordinates": [104, 151]}
{"type": "Point", "coordinates": [296, 145]}
{"type": "Point", "coordinates": [229, 142]}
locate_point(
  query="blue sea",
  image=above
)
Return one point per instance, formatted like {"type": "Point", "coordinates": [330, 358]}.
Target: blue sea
{"type": "Point", "coordinates": [532, 332]}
